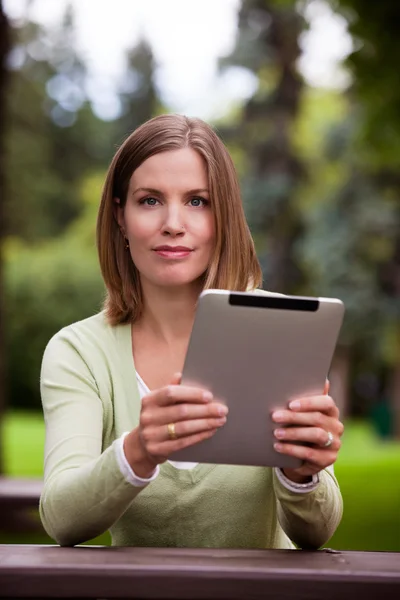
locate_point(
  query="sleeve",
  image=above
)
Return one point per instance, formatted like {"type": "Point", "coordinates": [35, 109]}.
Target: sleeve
{"type": "Point", "coordinates": [126, 469]}
{"type": "Point", "coordinates": [84, 490]}
{"type": "Point", "coordinates": [310, 518]}
{"type": "Point", "coordinates": [299, 488]}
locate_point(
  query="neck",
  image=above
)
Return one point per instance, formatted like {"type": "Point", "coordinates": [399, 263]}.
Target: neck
{"type": "Point", "coordinates": [169, 312]}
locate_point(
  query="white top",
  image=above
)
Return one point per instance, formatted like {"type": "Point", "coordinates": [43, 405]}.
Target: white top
{"type": "Point", "coordinates": [136, 481]}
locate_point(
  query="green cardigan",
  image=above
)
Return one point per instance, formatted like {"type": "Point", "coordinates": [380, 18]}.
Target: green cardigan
{"type": "Point", "coordinates": [90, 397]}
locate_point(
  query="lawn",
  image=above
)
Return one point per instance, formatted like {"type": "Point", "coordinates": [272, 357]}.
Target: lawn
{"type": "Point", "coordinates": [368, 471]}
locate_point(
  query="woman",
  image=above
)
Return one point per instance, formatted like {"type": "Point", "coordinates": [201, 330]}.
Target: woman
{"type": "Point", "coordinates": [170, 224]}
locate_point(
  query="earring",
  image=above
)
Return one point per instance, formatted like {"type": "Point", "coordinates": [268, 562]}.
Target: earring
{"type": "Point", "coordinates": [126, 244]}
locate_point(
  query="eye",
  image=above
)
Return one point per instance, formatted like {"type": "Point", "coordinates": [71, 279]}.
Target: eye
{"type": "Point", "coordinates": [198, 201]}
{"type": "Point", "coordinates": [148, 201]}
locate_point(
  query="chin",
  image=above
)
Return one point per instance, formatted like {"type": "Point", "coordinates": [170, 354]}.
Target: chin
{"type": "Point", "coordinates": [176, 282]}
{"type": "Point", "coordinates": [177, 279]}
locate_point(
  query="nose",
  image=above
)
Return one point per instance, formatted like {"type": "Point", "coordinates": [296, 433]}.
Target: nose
{"type": "Point", "coordinates": [174, 220]}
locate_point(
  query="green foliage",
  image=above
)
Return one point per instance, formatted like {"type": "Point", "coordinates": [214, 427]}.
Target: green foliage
{"type": "Point", "coordinates": [54, 144]}
{"type": "Point", "coordinates": [53, 137]}
{"type": "Point", "coordinates": [348, 237]}
{"type": "Point", "coordinates": [351, 223]}
{"type": "Point", "coordinates": [43, 160]}
{"type": "Point", "coordinates": [48, 286]}
{"type": "Point", "coordinates": [324, 212]}
{"type": "Point", "coordinates": [374, 64]}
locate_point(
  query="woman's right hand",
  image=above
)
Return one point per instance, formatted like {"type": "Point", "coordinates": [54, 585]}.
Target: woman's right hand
{"type": "Point", "coordinates": [193, 413]}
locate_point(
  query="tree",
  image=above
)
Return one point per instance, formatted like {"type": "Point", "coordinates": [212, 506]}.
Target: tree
{"type": "Point", "coordinates": [267, 45]}
{"type": "Point", "coordinates": [4, 50]}
{"type": "Point", "coordinates": [374, 66]}
{"type": "Point", "coordinates": [52, 274]}
{"type": "Point", "coordinates": [349, 236]}
{"type": "Point", "coordinates": [316, 234]}
{"type": "Point", "coordinates": [376, 94]}
{"type": "Point", "coordinates": [137, 93]}
{"type": "Point", "coordinates": [53, 137]}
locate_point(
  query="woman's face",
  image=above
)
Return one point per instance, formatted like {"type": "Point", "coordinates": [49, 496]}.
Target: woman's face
{"type": "Point", "coordinates": [168, 218]}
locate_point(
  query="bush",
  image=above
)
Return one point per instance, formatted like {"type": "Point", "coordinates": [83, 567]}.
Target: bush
{"type": "Point", "coordinates": [47, 287]}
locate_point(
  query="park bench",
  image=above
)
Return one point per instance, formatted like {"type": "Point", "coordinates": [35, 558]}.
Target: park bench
{"type": "Point", "coordinates": [19, 499]}
{"type": "Point", "coordinates": [100, 572]}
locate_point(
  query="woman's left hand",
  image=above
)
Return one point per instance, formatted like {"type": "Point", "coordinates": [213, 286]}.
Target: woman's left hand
{"type": "Point", "coordinates": [314, 421]}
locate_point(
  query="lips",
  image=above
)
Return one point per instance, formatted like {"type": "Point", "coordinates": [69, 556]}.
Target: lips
{"type": "Point", "coordinates": [172, 249]}
{"type": "Point", "coordinates": [173, 252]}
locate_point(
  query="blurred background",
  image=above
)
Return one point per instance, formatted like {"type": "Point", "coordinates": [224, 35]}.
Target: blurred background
{"type": "Point", "coordinates": [306, 96]}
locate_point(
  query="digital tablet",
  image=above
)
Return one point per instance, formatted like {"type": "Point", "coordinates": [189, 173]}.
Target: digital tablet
{"type": "Point", "coordinates": [256, 351]}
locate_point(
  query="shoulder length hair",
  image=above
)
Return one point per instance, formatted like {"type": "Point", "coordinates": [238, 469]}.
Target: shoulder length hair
{"type": "Point", "coordinates": [234, 264]}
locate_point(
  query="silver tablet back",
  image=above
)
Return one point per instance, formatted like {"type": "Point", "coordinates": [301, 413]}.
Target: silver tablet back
{"type": "Point", "coordinates": [255, 352]}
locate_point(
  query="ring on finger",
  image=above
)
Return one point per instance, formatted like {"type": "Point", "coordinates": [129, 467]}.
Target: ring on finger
{"type": "Point", "coordinates": [329, 440]}
{"type": "Point", "coordinates": [171, 431]}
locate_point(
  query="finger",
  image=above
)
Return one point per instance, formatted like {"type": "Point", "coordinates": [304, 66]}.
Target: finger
{"type": "Point", "coordinates": [167, 447]}
{"type": "Point", "coordinates": [313, 419]}
{"type": "Point", "coordinates": [176, 379]}
{"type": "Point", "coordinates": [172, 394]}
{"type": "Point", "coordinates": [308, 435]}
{"type": "Point", "coordinates": [325, 404]}
{"type": "Point", "coordinates": [316, 456]}
{"type": "Point", "coordinates": [188, 412]}
{"type": "Point", "coordinates": [327, 387]}
{"type": "Point", "coordinates": [190, 428]}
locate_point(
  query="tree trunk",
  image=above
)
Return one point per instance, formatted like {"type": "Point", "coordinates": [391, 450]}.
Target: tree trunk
{"type": "Point", "coordinates": [4, 49]}
{"type": "Point", "coordinates": [279, 157]}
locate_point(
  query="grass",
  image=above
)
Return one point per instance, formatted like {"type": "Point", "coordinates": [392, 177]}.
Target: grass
{"type": "Point", "coordinates": [23, 444]}
{"type": "Point", "coordinates": [368, 471]}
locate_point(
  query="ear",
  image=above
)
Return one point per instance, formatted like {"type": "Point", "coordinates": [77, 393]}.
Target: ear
{"type": "Point", "coordinates": [119, 213]}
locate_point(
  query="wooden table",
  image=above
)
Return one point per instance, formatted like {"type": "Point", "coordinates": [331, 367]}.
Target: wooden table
{"type": "Point", "coordinates": [94, 572]}
{"type": "Point", "coordinates": [18, 498]}
{"type": "Point", "coordinates": [20, 493]}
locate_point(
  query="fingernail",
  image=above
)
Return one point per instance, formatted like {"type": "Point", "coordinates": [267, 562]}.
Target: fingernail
{"type": "Point", "coordinates": [278, 447]}
{"type": "Point", "coordinates": [222, 421]}
{"type": "Point", "coordinates": [295, 405]}
{"type": "Point", "coordinates": [279, 433]}
{"type": "Point", "coordinates": [278, 415]}
{"type": "Point", "coordinates": [222, 410]}
{"type": "Point", "coordinates": [208, 396]}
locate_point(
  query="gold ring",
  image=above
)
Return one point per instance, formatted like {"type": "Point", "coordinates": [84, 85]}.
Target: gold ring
{"type": "Point", "coordinates": [171, 431]}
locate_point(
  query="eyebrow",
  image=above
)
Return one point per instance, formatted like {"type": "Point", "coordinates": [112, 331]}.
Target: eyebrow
{"type": "Point", "coordinates": [159, 193]}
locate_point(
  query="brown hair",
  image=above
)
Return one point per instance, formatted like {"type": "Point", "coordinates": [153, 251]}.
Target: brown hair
{"type": "Point", "coordinates": [234, 265]}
